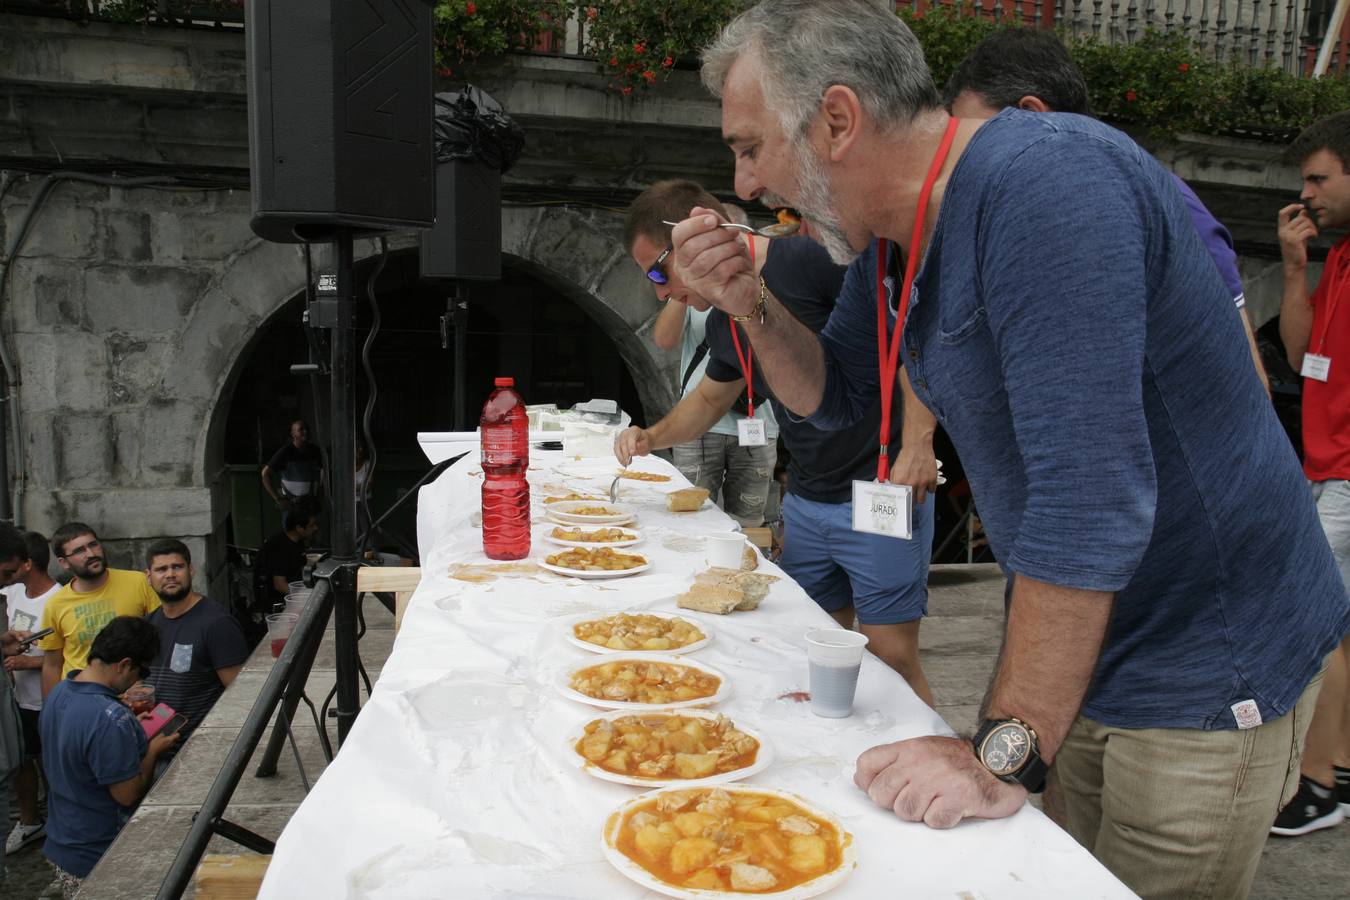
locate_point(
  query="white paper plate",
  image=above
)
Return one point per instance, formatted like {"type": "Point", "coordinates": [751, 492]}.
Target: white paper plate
{"type": "Point", "coordinates": [812, 888]}
{"type": "Point", "coordinates": [593, 574]}
{"type": "Point", "coordinates": [763, 758]}
{"type": "Point", "coordinates": [570, 636]}
{"type": "Point", "coordinates": [560, 512]}
{"type": "Point", "coordinates": [635, 539]}
{"type": "Point", "coordinates": [564, 682]}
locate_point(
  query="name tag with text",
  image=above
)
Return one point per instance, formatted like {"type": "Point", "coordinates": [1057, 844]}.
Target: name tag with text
{"type": "Point", "coordinates": [750, 432]}
{"type": "Point", "coordinates": [885, 509]}
{"type": "Point", "coordinates": [1316, 367]}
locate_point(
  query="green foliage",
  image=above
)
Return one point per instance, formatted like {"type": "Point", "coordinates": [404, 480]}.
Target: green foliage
{"type": "Point", "coordinates": [948, 34]}
{"type": "Point", "coordinates": [147, 10]}
{"type": "Point", "coordinates": [639, 41]}
{"type": "Point", "coordinates": [467, 29]}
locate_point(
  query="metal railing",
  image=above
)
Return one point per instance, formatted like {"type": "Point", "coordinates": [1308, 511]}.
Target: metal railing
{"type": "Point", "coordinates": [1285, 34]}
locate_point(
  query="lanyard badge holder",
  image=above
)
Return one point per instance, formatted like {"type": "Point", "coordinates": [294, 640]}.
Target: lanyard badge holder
{"type": "Point", "coordinates": [880, 507]}
{"type": "Point", "coordinates": [749, 430]}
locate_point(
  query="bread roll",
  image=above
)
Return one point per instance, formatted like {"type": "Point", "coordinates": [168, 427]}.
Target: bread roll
{"type": "Point", "coordinates": [686, 499]}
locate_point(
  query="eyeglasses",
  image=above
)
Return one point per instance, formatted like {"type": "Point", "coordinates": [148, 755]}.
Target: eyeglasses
{"type": "Point", "coordinates": [83, 550]}
{"type": "Point", "coordinates": [656, 273]}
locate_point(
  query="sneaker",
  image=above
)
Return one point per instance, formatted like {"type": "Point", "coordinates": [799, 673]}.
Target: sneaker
{"type": "Point", "coordinates": [23, 835]}
{"type": "Point", "coordinates": [1343, 789]}
{"type": "Point", "coordinates": [1307, 812]}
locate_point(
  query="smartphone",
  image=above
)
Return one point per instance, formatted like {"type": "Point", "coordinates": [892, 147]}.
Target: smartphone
{"type": "Point", "coordinates": [176, 722]}
{"type": "Point", "coordinates": [34, 637]}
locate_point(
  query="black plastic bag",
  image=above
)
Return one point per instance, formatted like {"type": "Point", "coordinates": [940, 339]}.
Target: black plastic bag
{"type": "Point", "coordinates": [471, 125]}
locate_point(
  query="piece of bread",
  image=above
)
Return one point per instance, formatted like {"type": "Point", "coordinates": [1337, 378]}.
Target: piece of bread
{"type": "Point", "coordinates": [751, 587]}
{"type": "Point", "coordinates": [710, 598]}
{"type": "Point", "coordinates": [749, 558]}
{"type": "Point", "coordinates": [686, 499]}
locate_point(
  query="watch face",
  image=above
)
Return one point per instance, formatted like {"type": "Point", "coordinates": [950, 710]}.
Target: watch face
{"type": "Point", "coordinates": [1006, 748]}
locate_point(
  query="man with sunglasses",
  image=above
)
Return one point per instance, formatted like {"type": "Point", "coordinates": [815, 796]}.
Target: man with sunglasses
{"type": "Point", "coordinates": [95, 754]}
{"type": "Point", "coordinates": [714, 459]}
{"type": "Point", "coordinates": [93, 598]}
{"type": "Point", "coordinates": [851, 573]}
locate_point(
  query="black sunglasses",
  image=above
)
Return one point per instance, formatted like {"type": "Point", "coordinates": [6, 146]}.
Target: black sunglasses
{"type": "Point", "coordinates": [656, 273]}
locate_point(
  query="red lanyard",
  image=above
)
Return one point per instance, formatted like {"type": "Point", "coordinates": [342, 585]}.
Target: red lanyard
{"type": "Point", "coordinates": [747, 360]}
{"type": "Point", "coordinates": [1337, 282]}
{"type": "Point", "coordinates": [889, 357]}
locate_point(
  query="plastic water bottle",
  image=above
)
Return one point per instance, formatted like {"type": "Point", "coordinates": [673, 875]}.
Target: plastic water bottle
{"type": "Point", "coordinates": [505, 430]}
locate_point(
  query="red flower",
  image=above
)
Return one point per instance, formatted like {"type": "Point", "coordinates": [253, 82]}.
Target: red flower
{"type": "Point", "coordinates": [614, 62]}
{"type": "Point", "coordinates": [667, 62]}
{"type": "Point", "coordinates": [627, 90]}
{"type": "Point", "coordinates": [650, 76]}
{"type": "Point", "coordinates": [592, 12]}
{"type": "Point", "coordinates": [1184, 67]}
{"type": "Point", "coordinates": [1131, 96]}
{"type": "Point", "coordinates": [444, 71]}
{"type": "Point", "coordinates": [639, 48]}
{"type": "Point", "coordinates": [471, 8]}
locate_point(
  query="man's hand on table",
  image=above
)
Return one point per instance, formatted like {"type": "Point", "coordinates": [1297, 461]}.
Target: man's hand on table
{"type": "Point", "coordinates": [714, 263]}
{"type": "Point", "coordinates": [632, 441]}
{"type": "Point", "coordinates": [935, 780]}
{"type": "Point", "coordinates": [916, 467]}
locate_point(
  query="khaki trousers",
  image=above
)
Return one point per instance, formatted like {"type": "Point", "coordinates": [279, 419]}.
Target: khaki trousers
{"type": "Point", "coordinates": [1181, 813]}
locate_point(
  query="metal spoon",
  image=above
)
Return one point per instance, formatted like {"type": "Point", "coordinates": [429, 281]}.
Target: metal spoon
{"type": "Point", "coordinates": [614, 487]}
{"type": "Point", "coordinates": [776, 230]}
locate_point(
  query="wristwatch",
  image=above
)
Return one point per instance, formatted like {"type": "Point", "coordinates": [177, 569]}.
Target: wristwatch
{"type": "Point", "coordinates": [1008, 749]}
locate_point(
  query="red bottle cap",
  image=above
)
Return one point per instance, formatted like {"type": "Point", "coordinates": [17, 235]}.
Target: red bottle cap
{"type": "Point", "coordinates": [504, 382]}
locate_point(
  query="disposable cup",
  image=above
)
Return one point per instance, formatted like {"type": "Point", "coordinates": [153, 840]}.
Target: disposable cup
{"type": "Point", "coordinates": [295, 603]}
{"type": "Point", "coordinates": [296, 587]}
{"type": "Point", "coordinates": [834, 659]}
{"type": "Point", "coordinates": [140, 697]}
{"type": "Point", "coordinates": [724, 550]}
{"type": "Point", "coordinates": [279, 627]}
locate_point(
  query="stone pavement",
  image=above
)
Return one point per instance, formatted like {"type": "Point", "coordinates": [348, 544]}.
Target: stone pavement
{"type": "Point", "coordinates": [960, 638]}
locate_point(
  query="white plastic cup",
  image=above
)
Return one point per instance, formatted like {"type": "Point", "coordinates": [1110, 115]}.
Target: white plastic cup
{"type": "Point", "coordinates": [295, 603]}
{"type": "Point", "coordinates": [296, 587]}
{"type": "Point", "coordinates": [834, 658]}
{"type": "Point", "coordinates": [724, 550]}
{"type": "Point", "coordinates": [279, 627]}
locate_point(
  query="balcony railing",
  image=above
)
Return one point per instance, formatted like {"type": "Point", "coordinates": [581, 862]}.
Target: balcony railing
{"type": "Point", "coordinates": [1282, 33]}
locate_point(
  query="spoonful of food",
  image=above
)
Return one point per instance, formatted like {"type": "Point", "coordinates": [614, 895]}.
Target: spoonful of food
{"type": "Point", "coordinates": [788, 224]}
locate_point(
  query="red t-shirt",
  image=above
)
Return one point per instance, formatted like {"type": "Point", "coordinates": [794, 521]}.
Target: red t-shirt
{"type": "Point", "coordinates": [1326, 404]}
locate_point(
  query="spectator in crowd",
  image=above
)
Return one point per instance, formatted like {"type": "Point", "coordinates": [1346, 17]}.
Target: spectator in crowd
{"type": "Point", "coordinates": [1318, 344]}
{"type": "Point", "coordinates": [1175, 602]}
{"type": "Point", "coordinates": [714, 459]}
{"type": "Point", "coordinates": [95, 595]}
{"type": "Point", "coordinates": [280, 561]}
{"type": "Point", "coordinates": [298, 466]}
{"type": "Point", "coordinates": [95, 754]}
{"type": "Point", "coordinates": [27, 587]}
{"type": "Point", "coordinates": [201, 646]}
{"type": "Point", "coordinates": [880, 580]}
{"type": "Point", "coordinates": [11, 736]}
{"type": "Point", "coordinates": [1030, 69]}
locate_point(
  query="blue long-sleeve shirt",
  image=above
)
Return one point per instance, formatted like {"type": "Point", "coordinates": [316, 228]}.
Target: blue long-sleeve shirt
{"type": "Point", "coordinates": [1073, 337]}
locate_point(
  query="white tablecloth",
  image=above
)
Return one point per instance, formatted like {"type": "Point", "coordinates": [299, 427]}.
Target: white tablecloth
{"type": "Point", "coordinates": [456, 781]}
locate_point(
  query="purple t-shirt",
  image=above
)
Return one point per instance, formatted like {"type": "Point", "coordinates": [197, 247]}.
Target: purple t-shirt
{"type": "Point", "coordinates": [1217, 241]}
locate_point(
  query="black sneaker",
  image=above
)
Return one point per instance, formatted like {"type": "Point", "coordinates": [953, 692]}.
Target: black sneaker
{"type": "Point", "coordinates": [1307, 812]}
{"type": "Point", "coordinates": [1343, 788]}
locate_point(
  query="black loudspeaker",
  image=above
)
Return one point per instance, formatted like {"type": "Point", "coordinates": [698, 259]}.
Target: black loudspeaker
{"type": "Point", "coordinates": [339, 116]}
{"type": "Point", "coordinates": [467, 240]}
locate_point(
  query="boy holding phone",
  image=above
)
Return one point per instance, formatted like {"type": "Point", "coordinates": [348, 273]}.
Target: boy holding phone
{"type": "Point", "coordinates": [97, 759]}
{"type": "Point", "coordinates": [27, 587]}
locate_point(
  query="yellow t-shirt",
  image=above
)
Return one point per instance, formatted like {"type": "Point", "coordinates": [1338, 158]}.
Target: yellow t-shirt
{"type": "Point", "coordinates": [79, 617]}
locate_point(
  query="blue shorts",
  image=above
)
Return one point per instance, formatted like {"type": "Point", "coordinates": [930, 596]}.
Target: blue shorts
{"type": "Point", "coordinates": [884, 579]}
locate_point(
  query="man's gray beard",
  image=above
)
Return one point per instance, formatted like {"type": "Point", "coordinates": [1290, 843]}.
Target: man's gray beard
{"type": "Point", "coordinates": [814, 203]}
